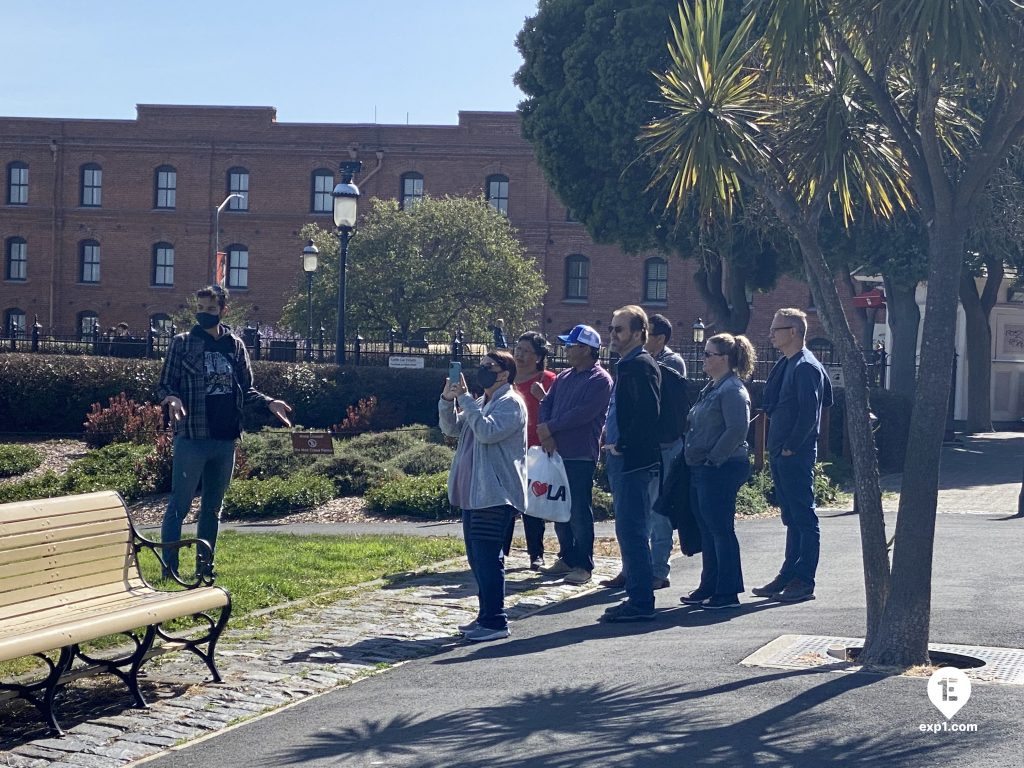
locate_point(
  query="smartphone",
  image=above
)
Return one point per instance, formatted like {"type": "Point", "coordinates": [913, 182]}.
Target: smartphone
{"type": "Point", "coordinates": [454, 371]}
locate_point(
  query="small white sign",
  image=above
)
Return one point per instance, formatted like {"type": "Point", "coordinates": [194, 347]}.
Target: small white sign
{"type": "Point", "coordinates": [405, 361]}
{"type": "Point", "coordinates": [835, 373]}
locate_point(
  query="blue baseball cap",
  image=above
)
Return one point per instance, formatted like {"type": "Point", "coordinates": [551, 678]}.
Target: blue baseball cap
{"type": "Point", "coordinates": [582, 334]}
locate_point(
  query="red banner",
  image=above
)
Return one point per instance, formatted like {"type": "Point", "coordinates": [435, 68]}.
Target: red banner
{"type": "Point", "coordinates": [220, 270]}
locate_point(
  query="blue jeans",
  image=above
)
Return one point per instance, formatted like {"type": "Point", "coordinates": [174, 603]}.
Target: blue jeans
{"type": "Point", "coordinates": [713, 493]}
{"type": "Point", "coordinates": [213, 461]}
{"type": "Point", "coordinates": [662, 533]}
{"type": "Point", "coordinates": [576, 538]}
{"type": "Point", "coordinates": [794, 492]}
{"type": "Point", "coordinates": [631, 495]}
{"type": "Point", "coordinates": [484, 532]}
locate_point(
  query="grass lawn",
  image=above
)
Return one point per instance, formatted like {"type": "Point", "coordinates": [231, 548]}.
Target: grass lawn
{"type": "Point", "coordinates": [267, 570]}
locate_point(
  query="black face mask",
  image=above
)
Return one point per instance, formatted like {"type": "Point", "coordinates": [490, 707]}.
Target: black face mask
{"type": "Point", "coordinates": [485, 377]}
{"type": "Point", "coordinates": [207, 320]}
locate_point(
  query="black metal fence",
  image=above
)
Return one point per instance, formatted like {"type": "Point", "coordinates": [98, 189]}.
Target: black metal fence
{"type": "Point", "coordinates": [389, 351]}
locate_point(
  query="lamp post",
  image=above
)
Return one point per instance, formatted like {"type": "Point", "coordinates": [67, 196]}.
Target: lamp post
{"type": "Point", "coordinates": [309, 265]}
{"type": "Point", "coordinates": [346, 203]}
{"type": "Point", "coordinates": [216, 236]}
{"type": "Point", "coordinates": [698, 331]}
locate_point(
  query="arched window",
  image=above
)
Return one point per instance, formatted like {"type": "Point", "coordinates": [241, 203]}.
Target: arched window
{"type": "Point", "coordinates": [656, 280]}
{"type": "Point", "coordinates": [238, 266]}
{"type": "Point", "coordinates": [88, 325]}
{"type": "Point", "coordinates": [89, 261]}
{"type": "Point", "coordinates": [577, 277]}
{"type": "Point", "coordinates": [497, 192]}
{"type": "Point", "coordinates": [92, 186]}
{"type": "Point", "coordinates": [238, 184]}
{"type": "Point", "coordinates": [165, 187]}
{"type": "Point", "coordinates": [17, 183]}
{"type": "Point", "coordinates": [412, 189]}
{"type": "Point", "coordinates": [321, 188]}
{"type": "Point", "coordinates": [14, 323]}
{"type": "Point", "coordinates": [17, 259]}
{"type": "Point", "coordinates": [163, 264]}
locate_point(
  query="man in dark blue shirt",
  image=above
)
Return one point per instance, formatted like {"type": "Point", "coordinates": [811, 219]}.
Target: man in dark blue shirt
{"type": "Point", "coordinates": [797, 390]}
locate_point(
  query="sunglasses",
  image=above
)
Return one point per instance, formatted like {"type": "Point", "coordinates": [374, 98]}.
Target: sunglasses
{"type": "Point", "coordinates": [780, 328]}
{"type": "Point", "coordinates": [714, 354]}
{"type": "Point", "coordinates": [616, 328]}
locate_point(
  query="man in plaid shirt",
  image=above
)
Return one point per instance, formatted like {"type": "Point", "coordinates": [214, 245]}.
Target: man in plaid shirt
{"type": "Point", "coordinates": [205, 383]}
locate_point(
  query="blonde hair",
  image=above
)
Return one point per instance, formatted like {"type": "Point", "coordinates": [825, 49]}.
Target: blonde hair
{"type": "Point", "coordinates": [637, 320]}
{"type": "Point", "coordinates": [740, 351]}
{"type": "Point", "coordinates": [798, 317]}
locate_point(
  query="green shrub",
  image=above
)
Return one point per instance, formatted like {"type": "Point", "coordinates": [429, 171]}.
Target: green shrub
{"type": "Point", "coordinates": [601, 501]}
{"type": "Point", "coordinates": [382, 446]}
{"type": "Point", "coordinates": [45, 486]}
{"type": "Point", "coordinates": [275, 496]}
{"type": "Point", "coordinates": [425, 496]}
{"type": "Point", "coordinates": [117, 467]}
{"type": "Point", "coordinates": [353, 473]}
{"type": "Point", "coordinates": [268, 453]}
{"type": "Point", "coordinates": [18, 459]}
{"type": "Point", "coordinates": [423, 459]}
{"type": "Point", "coordinates": [755, 495]}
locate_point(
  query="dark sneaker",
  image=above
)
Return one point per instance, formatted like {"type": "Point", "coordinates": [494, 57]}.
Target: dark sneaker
{"type": "Point", "coordinates": [557, 568]}
{"type": "Point", "coordinates": [615, 582]}
{"type": "Point", "coordinates": [770, 589]}
{"type": "Point", "coordinates": [626, 612]}
{"type": "Point", "coordinates": [795, 592]}
{"type": "Point", "coordinates": [536, 563]}
{"type": "Point", "coordinates": [694, 598]}
{"type": "Point", "coordinates": [483, 634]}
{"type": "Point", "coordinates": [464, 628]}
{"type": "Point", "coordinates": [577, 576]}
{"type": "Point", "coordinates": [659, 583]}
{"type": "Point", "coordinates": [718, 602]}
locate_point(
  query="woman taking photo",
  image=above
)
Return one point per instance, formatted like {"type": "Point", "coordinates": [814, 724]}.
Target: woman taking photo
{"type": "Point", "coordinates": [716, 452]}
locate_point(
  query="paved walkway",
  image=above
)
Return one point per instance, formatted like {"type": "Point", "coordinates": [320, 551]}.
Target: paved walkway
{"type": "Point", "coordinates": [320, 649]}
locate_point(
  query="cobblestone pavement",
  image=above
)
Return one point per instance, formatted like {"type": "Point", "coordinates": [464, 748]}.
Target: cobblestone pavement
{"type": "Point", "coordinates": [308, 652]}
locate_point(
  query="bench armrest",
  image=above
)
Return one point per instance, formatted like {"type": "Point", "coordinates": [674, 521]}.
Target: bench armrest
{"type": "Point", "coordinates": [140, 542]}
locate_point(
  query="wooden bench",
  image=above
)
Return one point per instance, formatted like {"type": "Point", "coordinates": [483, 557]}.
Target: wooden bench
{"type": "Point", "coordinates": [69, 574]}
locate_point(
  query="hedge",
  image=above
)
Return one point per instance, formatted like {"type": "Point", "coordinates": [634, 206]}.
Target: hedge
{"type": "Point", "coordinates": [53, 393]}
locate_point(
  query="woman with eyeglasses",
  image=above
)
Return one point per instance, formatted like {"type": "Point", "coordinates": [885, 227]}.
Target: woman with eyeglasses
{"type": "Point", "coordinates": [487, 480]}
{"type": "Point", "coordinates": [716, 452]}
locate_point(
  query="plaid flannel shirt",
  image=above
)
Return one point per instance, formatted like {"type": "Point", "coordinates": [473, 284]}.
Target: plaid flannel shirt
{"type": "Point", "coordinates": [184, 376]}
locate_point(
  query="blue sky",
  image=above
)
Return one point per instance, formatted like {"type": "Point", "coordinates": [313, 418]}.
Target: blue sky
{"type": "Point", "coordinates": [408, 60]}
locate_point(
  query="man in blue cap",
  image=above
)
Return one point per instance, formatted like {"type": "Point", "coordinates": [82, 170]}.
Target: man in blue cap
{"type": "Point", "coordinates": [572, 415]}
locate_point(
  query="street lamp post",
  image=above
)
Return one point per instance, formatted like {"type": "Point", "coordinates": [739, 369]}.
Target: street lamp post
{"type": "Point", "coordinates": [346, 203]}
{"type": "Point", "coordinates": [698, 331]}
{"type": "Point", "coordinates": [309, 265]}
{"type": "Point", "coordinates": [216, 234]}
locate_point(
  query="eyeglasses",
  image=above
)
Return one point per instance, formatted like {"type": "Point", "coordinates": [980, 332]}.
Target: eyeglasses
{"type": "Point", "coordinates": [715, 354]}
{"type": "Point", "coordinates": [616, 328]}
{"type": "Point", "coordinates": [781, 328]}
{"type": "Point", "coordinates": [492, 367]}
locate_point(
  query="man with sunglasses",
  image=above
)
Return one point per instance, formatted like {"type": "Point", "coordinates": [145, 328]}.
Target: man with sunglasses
{"type": "Point", "coordinates": [797, 390]}
{"type": "Point", "coordinates": [633, 458]}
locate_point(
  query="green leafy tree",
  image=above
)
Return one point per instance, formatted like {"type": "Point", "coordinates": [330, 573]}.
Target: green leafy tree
{"type": "Point", "coordinates": [586, 74]}
{"type": "Point", "coordinates": [445, 264]}
{"type": "Point", "coordinates": [841, 101]}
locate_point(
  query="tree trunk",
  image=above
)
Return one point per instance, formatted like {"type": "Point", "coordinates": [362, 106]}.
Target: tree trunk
{"type": "Point", "coordinates": [727, 313]}
{"type": "Point", "coordinates": [900, 638]}
{"type": "Point", "coordinates": [978, 351]}
{"type": "Point", "coordinates": [904, 318]}
{"type": "Point", "coordinates": [857, 426]}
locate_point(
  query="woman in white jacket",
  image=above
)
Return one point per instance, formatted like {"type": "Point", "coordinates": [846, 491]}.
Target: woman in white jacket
{"type": "Point", "coordinates": [487, 480]}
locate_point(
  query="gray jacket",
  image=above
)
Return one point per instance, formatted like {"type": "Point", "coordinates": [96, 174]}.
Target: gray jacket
{"type": "Point", "coordinates": [499, 446]}
{"type": "Point", "coordinates": [718, 423]}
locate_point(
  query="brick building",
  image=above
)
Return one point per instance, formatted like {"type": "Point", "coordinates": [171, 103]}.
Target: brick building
{"type": "Point", "coordinates": [104, 221]}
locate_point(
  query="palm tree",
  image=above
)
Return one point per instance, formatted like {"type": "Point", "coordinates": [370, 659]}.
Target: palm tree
{"type": "Point", "coordinates": [858, 107]}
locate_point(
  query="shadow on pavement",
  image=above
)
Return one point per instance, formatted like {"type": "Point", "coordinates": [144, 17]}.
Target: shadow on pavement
{"type": "Point", "coordinates": [623, 725]}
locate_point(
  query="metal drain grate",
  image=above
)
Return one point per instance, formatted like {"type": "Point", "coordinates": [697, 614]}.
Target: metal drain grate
{"type": "Point", "coordinates": [1002, 665]}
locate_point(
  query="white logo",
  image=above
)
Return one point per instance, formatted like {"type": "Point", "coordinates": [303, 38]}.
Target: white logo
{"type": "Point", "coordinates": [949, 689]}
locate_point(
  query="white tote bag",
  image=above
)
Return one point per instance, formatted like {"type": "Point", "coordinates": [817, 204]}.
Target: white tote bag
{"type": "Point", "coordinates": [547, 492]}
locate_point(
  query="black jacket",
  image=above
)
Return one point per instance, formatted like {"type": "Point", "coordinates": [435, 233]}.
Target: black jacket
{"type": "Point", "coordinates": [637, 409]}
{"type": "Point", "coordinates": [674, 503]}
{"type": "Point", "coordinates": [794, 395]}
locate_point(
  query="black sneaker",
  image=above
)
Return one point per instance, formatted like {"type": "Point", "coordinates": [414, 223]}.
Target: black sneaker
{"type": "Point", "coordinates": [626, 612]}
{"type": "Point", "coordinates": [536, 563]}
{"type": "Point", "coordinates": [795, 592]}
{"type": "Point", "coordinates": [694, 598]}
{"type": "Point", "coordinates": [770, 589]}
{"type": "Point", "coordinates": [718, 602]}
{"type": "Point", "coordinates": [618, 581]}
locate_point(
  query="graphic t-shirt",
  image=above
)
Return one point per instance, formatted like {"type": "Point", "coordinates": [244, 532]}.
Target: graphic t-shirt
{"type": "Point", "coordinates": [219, 364]}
